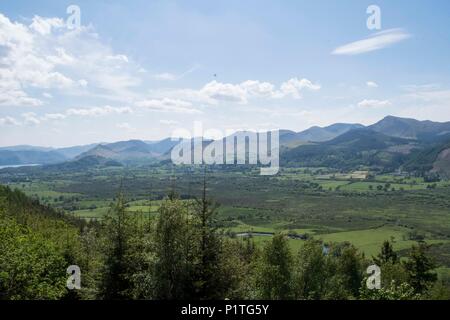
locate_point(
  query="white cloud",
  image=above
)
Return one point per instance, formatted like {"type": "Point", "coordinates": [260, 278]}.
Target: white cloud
{"type": "Point", "coordinates": [372, 84]}
{"type": "Point", "coordinates": [47, 55]}
{"type": "Point", "coordinates": [30, 118]}
{"type": "Point", "coordinates": [167, 76]}
{"type": "Point", "coordinates": [126, 126]}
{"type": "Point", "coordinates": [121, 58]}
{"type": "Point", "coordinates": [367, 103]}
{"type": "Point", "coordinates": [9, 121]}
{"type": "Point", "coordinates": [44, 26]}
{"type": "Point", "coordinates": [98, 111]}
{"type": "Point", "coordinates": [83, 83]}
{"type": "Point", "coordinates": [54, 116]}
{"type": "Point", "coordinates": [168, 105]}
{"type": "Point", "coordinates": [11, 93]}
{"type": "Point", "coordinates": [214, 91]}
{"type": "Point", "coordinates": [224, 92]}
{"type": "Point", "coordinates": [294, 86]}
{"type": "Point", "coordinates": [61, 57]}
{"type": "Point", "coordinates": [377, 41]}
{"type": "Point", "coordinates": [168, 122]}
{"type": "Point", "coordinates": [429, 93]}
{"type": "Point", "coordinates": [255, 88]}
{"type": "Point", "coordinates": [421, 87]}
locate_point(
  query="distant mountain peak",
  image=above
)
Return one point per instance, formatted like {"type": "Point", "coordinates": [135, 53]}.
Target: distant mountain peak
{"type": "Point", "coordinates": [411, 128]}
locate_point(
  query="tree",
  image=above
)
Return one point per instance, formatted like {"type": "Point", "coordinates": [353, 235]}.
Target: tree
{"type": "Point", "coordinates": [387, 255]}
{"type": "Point", "coordinates": [209, 274]}
{"type": "Point", "coordinates": [119, 228]}
{"type": "Point", "coordinates": [275, 274]}
{"type": "Point", "coordinates": [37, 244]}
{"type": "Point", "coordinates": [311, 273]}
{"type": "Point", "coordinates": [90, 262]}
{"type": "Point", "coordinates": [174, 252]}
{"type": "Point", "coordinates": [346, 267]}
{"type": "Point", "coordinates": [392, 292]}
{"type": "Point", "coordinates": [419, 268]}
{"type": "Point", "coordinates": [392, 271]}
{"type": "Point", "coordinates": [31, 265]}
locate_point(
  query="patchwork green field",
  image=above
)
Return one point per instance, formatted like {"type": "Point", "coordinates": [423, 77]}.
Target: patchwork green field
{"type": "Point", "coordinates": [361, 208]}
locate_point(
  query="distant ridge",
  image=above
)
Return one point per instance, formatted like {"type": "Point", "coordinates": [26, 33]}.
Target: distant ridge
{"type": "Point", "coordinates": [412, 128]}
{"type": "Point", "coordinates": [391, 143]}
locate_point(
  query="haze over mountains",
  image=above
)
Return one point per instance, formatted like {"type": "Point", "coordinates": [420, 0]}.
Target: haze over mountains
{"type": "Point", "coordinates": [391, 143]}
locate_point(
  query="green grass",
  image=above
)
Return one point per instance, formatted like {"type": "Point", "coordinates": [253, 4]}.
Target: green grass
{"type": "Point", "coordinates": [443, 273]}
{"type": "Point", "coordinates": [370, 241]}
{"type": "Point", "coordinates": [97, 213]}
{"type": "Point", "coordinates": [303, 200]}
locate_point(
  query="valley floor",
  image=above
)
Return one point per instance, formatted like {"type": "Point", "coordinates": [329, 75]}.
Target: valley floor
{"type": "Point", "coordinates": [317, 203]}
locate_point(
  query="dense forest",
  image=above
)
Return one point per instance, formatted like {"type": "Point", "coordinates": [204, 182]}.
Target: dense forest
{"type": "Point", "coordinates": [181, 254]}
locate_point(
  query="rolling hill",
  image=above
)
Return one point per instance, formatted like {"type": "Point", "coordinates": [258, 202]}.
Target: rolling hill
{"type": "Point", "coordinates": [413, 129]}
{"type": "Point", "coordinates": [130, 151]}
{"type": "Point", "coordinates": [435, 158]}
{"type": "Point", "coordinates": [319, 134]}
{"type": "Point", "coordinates": [19, 157]}
{"type": "Point", "coordinates": [391, 143]}
{"type": "Point", "coordinates": [359, 147]}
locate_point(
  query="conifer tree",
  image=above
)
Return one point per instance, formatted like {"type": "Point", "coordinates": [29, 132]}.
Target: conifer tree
{"type": "Point", "coordinates": [119, 227]}
{"type": "Point", "coordinates": [209, 276]}
{"type": "Point", "coordinates": [419, 268]}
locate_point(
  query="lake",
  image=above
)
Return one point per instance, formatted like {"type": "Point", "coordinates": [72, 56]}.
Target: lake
{"type": "Point", "coordinates": [18, 165]}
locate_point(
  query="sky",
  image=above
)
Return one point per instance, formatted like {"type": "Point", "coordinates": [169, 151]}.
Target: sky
{"type": "Point", "coordinates": [145, 69]}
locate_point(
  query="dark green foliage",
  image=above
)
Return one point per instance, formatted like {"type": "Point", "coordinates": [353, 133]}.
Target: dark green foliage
{"type": "Point", "coordinates": [120, 227]}
{"type": "Point", "coordinates": [387, 255]}
{"type": "Point", "coordinates": [209, 277]}
{"type": "Point", "coordinates": [174, 260]}
{"type": "Point", "coordinates": [275, 274]}
{"type": "Point", "coordinates": [36, 247]}
{"type": "Point", "coordinates": [312, 271]}
{"type": "Point", "coordinates": [181, 254]}
{"type": "Point", "coordinates": [419, 268]}
{"type": "Point", "coordinates": [349, 150]}
{"type": "Point", "coordinates": [31, 266]}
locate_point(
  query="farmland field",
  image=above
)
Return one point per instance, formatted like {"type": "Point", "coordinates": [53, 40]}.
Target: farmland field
{"type": "Point", "coordinates": [331, 207]}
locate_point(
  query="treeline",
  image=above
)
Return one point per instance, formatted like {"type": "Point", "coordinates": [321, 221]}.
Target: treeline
{"type": "Point", "coordinates": [180, 254]}
{"type": "Point", "coordinates": [37, 244]}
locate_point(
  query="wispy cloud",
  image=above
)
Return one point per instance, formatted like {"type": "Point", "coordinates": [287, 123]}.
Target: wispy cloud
{"type": "Point", "coordinates": [374, 103]}
{"type": "Point", "coordinates": [126, 126]}
{"type": "Point", "coordinates": [98, 111]}
{"type": "Point", "coordinates": [9, 121]}
{"type": "Point", "coordinates": [168, 122]}
{"type": "Point", "coordinates": [168, 105]}
{"type": "Point", "coordinates": [172, 76]}
{"type": "Point", "coordinates": [372, 84]}
{"type": "Point", "coordinates": [376, 41]}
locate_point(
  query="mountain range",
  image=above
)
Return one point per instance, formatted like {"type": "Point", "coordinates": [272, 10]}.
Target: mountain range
{"type": "Point", "coordinates": [389, 144]}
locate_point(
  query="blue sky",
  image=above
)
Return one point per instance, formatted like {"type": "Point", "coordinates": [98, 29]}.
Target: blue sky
{"type": "Point", "coordinates": [142, 69]}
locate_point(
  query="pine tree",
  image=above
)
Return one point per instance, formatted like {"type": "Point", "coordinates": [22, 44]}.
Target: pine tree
{"type": "Point", "coordinates": [419, 269]}
{"type": "Point", "coordinates": [387, 255]}
{"type": "Point", "coordinates": [119, 227]}
{"type": "Point", "coordinates": [209, 276]}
